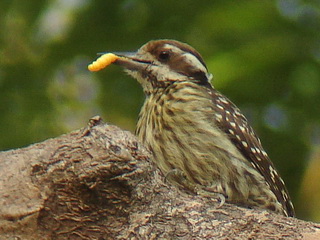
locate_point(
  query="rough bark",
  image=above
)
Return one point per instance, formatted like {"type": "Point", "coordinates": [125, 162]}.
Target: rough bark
{"type": "Point", "coordinates": [99, 183]}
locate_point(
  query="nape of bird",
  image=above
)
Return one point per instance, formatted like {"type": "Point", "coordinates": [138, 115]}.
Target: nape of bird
{"type": "Point", "coordinates": [196, 134]}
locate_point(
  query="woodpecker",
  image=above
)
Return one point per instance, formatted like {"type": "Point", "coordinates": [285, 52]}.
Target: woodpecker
{"type": "Point", "coordinates": [192, 129]}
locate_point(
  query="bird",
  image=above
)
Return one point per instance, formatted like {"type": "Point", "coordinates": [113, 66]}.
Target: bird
{"type": "Point", "coordinates": [195, 134]}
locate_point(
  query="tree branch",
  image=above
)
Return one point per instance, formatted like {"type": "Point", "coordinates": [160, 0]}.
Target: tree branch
{"type": "Point", "coordinates": [99, 183]}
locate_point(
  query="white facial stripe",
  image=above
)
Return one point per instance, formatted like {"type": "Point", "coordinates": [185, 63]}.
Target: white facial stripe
{"type": "Point", "coordinates": [193, 61]}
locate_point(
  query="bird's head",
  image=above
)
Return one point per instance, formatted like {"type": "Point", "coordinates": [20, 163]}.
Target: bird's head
{"type": "Point", "coordinates": [159, 63]}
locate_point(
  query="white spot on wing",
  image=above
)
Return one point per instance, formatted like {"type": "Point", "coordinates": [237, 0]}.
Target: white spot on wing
{"type": "Point", "coordinates": [245, 144]}
{"type": "Point", "coordinates": [264, 153]}
{"type": "Point", "coordinates": [219, 106]}
{"type": "Point", "coordinates": [223, 100]}
{"type": "Point", "coordinates": [242, 129]}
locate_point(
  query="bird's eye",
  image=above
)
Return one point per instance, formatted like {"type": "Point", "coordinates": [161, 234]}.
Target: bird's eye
{"type": "Point", "coordinates": [164, 55]}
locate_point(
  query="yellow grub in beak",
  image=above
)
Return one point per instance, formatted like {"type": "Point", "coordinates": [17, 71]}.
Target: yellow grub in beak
{"type": "Point", "coordinates": [102, 62]}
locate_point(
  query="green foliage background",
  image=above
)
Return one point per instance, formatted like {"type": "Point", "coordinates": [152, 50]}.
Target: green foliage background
{"type": "Point", "coordinates": [264, 56]}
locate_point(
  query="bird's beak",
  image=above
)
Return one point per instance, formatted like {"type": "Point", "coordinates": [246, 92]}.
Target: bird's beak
{"type": "Point", "coordinates": [130, 61]}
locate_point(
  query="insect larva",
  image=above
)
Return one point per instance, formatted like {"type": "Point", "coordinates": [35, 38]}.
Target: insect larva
{"type": "Point", "coordinates": [102, 62]}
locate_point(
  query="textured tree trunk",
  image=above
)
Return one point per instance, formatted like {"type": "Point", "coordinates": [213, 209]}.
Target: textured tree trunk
{"type": "Point", "coordinates": [99, 183]}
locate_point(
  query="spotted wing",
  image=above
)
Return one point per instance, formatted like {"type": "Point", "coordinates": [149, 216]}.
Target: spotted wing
{"type": "Point", "coordinates": [232, 122]}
